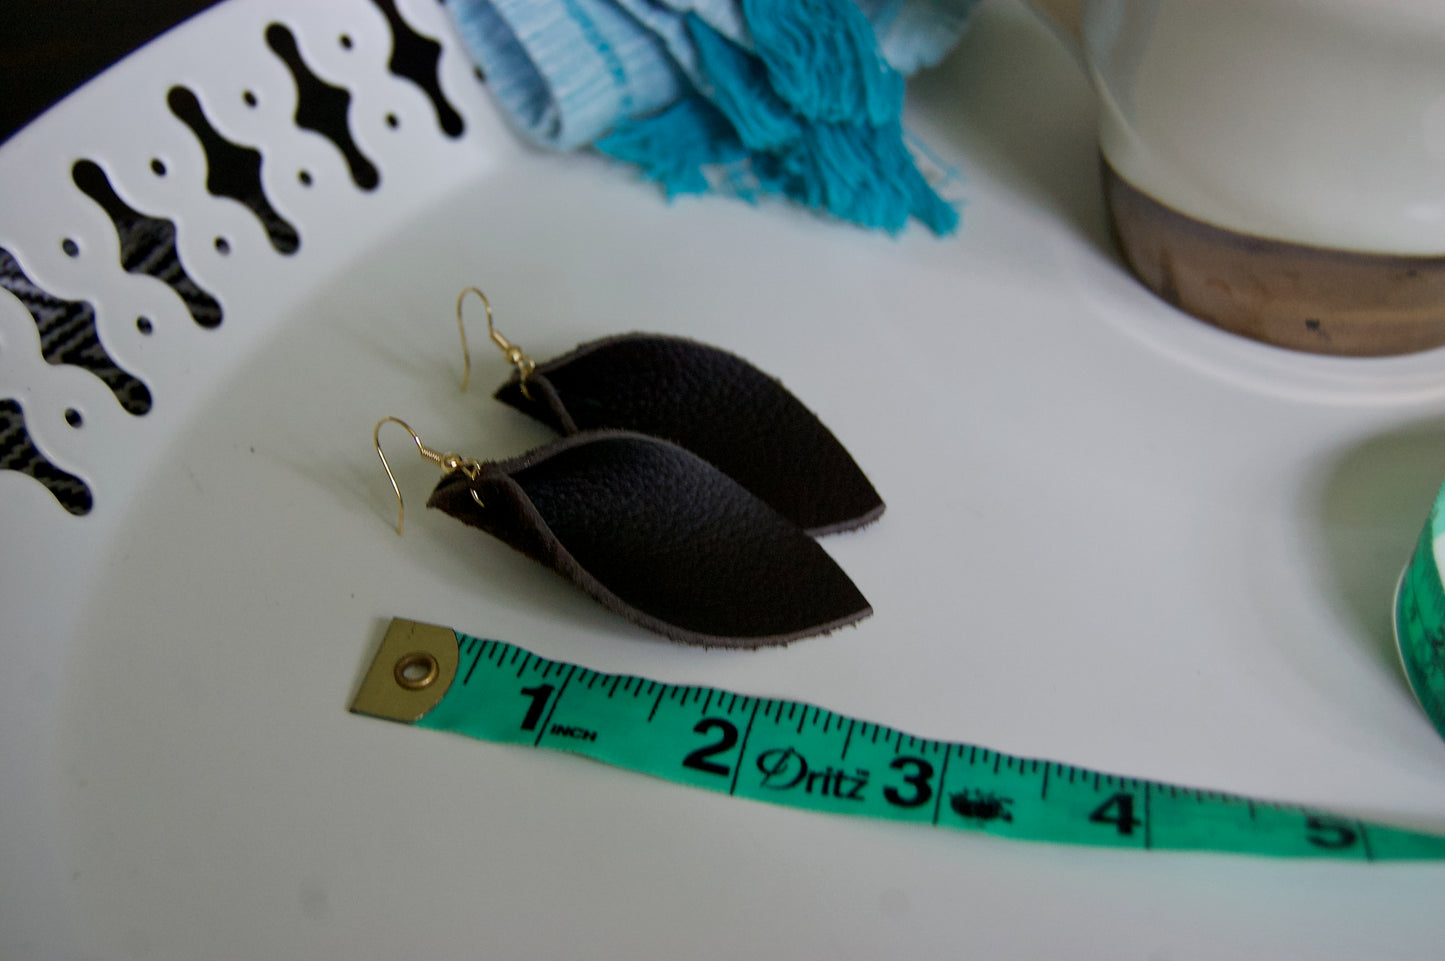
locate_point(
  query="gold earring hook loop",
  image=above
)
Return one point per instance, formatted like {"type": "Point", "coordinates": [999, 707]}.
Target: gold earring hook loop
{"type": "Point", "coordinates": [447, 462]}
{"type": "Point", "coordinates": [524, 364]}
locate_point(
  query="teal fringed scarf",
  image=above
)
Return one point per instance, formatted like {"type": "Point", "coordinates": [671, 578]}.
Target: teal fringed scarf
{"type": "Point", "coordinates": [798, 98]}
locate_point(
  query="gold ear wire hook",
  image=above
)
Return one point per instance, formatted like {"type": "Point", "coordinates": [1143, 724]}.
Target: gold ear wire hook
{"type": "Point", "coordinates": [447, 462]}
{"type": "Point", "coordinates": [524, 364]}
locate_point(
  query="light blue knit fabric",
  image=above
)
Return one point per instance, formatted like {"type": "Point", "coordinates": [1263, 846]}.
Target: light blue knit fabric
{"type": "Point", "coordinates": [794, 97]}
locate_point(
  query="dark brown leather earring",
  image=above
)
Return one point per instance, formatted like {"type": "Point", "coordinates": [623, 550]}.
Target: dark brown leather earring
{"type": "Point", "coordinates": [711, 402]}
{"type": "Point", "coordinates": [652, 532]}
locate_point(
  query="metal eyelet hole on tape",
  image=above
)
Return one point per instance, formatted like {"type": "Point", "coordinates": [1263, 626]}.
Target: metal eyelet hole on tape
{"type": "Point", "coordinates": [416, 671]}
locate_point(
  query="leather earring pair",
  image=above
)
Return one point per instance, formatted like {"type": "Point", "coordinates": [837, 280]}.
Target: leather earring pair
{"type": "Point", "coordinates": [702, 536]}
{"type": "Point", "coordinates": [710, 402]}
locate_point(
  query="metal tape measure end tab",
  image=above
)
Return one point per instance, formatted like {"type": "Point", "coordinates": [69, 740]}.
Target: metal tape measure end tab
{"type": "Point", "coordinates": [411, 672]}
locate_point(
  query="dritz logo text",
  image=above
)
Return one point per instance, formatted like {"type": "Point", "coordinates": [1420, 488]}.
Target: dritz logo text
{"type": "Point", "coordinates": [784, 769]}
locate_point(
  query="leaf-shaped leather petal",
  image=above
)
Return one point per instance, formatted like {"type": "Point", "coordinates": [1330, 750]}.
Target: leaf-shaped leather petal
{"type": "Point", "coordinates": [715, 404]}
{"type": "Point", "coordinates": [660, 536]}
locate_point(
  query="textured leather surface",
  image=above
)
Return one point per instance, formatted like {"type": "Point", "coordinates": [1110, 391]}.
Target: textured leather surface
{"type": "Point", "coordinates": [716, 405]}
{"type": "Point", "coordinates": [661, 537]}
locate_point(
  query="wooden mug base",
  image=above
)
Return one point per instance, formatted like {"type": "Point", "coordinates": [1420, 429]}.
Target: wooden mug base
{"type": "Point", "coordinates": [1315, 299]}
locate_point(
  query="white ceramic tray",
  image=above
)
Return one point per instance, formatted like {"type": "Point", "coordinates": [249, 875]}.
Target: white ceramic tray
{"type": "Point", "coordinates": [1114, 537]}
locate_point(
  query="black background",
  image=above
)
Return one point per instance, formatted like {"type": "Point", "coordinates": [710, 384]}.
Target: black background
{"type": "Point", "coordinates": [50, 47]}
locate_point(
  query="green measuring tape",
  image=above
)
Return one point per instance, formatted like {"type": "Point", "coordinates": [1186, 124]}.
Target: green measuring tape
{"type": "Point", "coordinates": [796, 754]}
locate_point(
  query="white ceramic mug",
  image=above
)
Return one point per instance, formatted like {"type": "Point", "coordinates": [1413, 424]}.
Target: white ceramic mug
{"type": "Point", "coordinates": [1297, 150]}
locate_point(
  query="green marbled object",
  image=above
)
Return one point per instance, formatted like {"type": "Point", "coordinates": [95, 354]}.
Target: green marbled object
{"type": "Point", "coordinates": [1420, 618]}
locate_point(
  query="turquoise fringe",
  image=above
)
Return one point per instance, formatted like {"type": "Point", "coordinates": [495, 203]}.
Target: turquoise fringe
{"type": "Point", "coordinates": [813, 114]}
{"type": "Point", "coordinates": [823, 60]}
